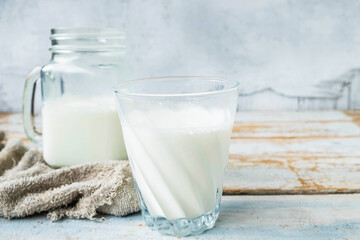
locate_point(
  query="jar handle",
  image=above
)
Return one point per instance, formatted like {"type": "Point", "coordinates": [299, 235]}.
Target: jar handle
{"type": "Point", "coordinates": [28, 107]}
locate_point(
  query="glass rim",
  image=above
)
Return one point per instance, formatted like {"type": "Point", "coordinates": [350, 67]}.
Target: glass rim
{"type": "Point", "coordinates": [234, 86]}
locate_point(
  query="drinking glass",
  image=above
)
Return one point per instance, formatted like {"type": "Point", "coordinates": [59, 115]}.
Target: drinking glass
{"type": "Point", "coordinates": [177, 135]}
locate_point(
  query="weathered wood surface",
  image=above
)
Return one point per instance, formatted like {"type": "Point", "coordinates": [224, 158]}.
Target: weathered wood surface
{"type": "Point", "coordinates": [241, 217]}
{"type": "Point", "coordinates": [294, 152]}
{"type": "Point", "coordinates": [12, 124]}
{"type": "Point", "coordinates": [282, 152]}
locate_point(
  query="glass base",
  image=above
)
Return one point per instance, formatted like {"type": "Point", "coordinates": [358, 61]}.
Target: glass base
{"type": "Point", "coordinates": [182, 227]}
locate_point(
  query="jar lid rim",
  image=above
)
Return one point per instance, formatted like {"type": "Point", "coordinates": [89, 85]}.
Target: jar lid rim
{"type": "Point", "coordinates": [67, 49]}
{"type": "Point", "coordinates": [87, 39]}
{"type": "Point", "coordinates": [85, 32]}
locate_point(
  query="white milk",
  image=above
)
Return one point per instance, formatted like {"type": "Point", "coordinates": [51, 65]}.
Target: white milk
{"type": "Point", "coordinates": [81, 130]}
{"type": "Point", "coordinates": [178, 159]}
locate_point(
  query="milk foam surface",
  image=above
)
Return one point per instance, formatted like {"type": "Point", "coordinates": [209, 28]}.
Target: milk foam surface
{"type": "Point", "coordinates": [178, 158]}
{"type": "Point", "coordinates": [81, 130]}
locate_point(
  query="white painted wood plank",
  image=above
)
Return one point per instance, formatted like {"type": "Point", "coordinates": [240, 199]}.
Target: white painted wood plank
{"type": "Point", "coordinates": [293, 166]}
{"type": "Point", "coordinates": [286, 116]}
{"type": "Point", "coordinates": [242, 217]}
{"type": "Point", "coordinates": [294, 152]}
{"type": "Point", "coordinates": [295, 130]}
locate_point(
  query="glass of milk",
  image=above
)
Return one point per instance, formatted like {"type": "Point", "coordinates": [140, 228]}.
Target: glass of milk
{"type": "Point", "coordinates": [177, 134]}
{"type": "Point", "coordinates": [80, 123]}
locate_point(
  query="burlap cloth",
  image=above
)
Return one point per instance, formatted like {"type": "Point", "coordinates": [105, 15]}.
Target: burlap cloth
{"type": "Point", "coordinates": [28, 186]}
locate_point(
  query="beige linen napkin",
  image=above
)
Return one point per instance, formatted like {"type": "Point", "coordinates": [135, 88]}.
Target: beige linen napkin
{"type": "Point", "coordinates": [28, 185]}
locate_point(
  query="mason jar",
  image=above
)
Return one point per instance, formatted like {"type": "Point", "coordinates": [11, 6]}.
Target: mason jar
{"type": "Point", "coordinates": [79, 119]}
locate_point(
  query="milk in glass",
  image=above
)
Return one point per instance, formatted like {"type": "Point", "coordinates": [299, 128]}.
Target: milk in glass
{"type": "Point", "coordinates": [178, 158]}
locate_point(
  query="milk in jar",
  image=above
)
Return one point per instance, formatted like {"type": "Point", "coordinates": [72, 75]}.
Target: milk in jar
{"type": "Point", "coordinates": [78, 130]}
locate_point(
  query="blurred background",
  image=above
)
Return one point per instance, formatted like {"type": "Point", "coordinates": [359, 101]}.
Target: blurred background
{"type": "Point", "coordinates": [284, 53]}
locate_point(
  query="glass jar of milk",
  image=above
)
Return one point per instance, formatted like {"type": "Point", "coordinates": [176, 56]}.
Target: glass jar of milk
{"type": "Point", "coordinates": [79, 119]}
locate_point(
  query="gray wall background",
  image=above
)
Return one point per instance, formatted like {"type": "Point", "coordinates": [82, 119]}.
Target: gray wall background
{"type": "Point", "coordinates": [283, 44]}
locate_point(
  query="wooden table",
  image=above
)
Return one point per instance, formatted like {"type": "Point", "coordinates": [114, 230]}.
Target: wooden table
{"type": "Point", "coordinates": [241, 217]}
{"type": "Point", "coordinates": [282, 153]}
